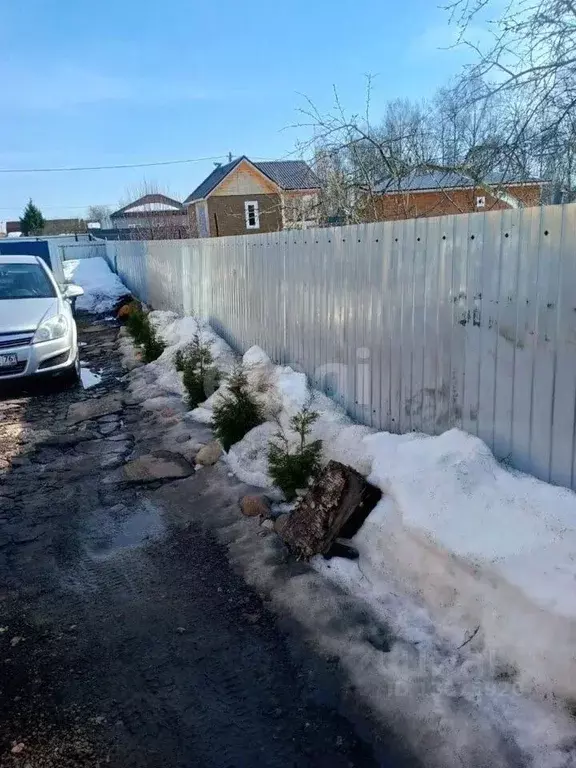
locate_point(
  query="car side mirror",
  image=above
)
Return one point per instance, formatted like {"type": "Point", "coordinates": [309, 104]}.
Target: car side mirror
{"type": "Point", "coordinates": [72, 291]}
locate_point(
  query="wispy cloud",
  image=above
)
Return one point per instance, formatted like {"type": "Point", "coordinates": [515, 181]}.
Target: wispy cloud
{"type": "Point", "coordinates": [68, 85]}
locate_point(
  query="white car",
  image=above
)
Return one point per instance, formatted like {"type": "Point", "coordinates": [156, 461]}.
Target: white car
{"type": "Point", "coordinates": [38, 333]}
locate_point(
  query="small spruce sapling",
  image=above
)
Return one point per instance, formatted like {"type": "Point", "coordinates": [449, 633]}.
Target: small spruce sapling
{"type": "Point", "coordinates": [179, 360]}
{"type": "Point", "coordinates": [144, 334]}
{"type": "Point", "coordinates": [291, 470]}
{"type": "Point", "coordinates": [236, 412]}
{"type": "Point", "coordinates": [200, 376]}
{"type": "Point", "coordinates": [136, 323]}
{"type": "Point", "coordinates": [153, 346]}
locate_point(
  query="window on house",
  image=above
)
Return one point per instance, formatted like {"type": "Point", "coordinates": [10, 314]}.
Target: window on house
{"type": "Point", "coordinates": [481, 202]}
{"type": "Point", "coordinates": [252, 214]}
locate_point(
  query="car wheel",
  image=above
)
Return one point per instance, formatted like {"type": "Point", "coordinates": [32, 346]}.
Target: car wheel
{"type": "Point", "coordinates": [72, 376]}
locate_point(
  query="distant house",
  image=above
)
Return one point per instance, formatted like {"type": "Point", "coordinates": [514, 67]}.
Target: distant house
{"type": "Point", "coordinates": [441, 193]}
{"type": "Point", "coordinates": [245, 197]}
{"type": "Point", "coordinates": [52, 227]}
{"type": "Point", "coordinates": [152, 217]}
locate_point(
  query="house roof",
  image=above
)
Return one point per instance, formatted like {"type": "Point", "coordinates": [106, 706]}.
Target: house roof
{"type": "Point", "coordinates": [418, 181]}
{"type": "Point", "coordinates": [287, 174]}
{"type": "Point", "coordinates": [151, 202]}
{"type": "Point", "coordinates": [290, 174]}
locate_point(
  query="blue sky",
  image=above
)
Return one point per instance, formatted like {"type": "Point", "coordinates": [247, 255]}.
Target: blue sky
{"type": "Point", "coordinates": [129, 81]}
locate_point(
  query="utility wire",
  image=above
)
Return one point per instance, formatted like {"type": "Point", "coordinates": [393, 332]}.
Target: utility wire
{"type": "Point", "coordinates": [109, 167]}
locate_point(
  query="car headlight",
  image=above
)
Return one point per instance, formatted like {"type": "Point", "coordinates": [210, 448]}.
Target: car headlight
{"type": "Point", "coordinates": [53, 328]}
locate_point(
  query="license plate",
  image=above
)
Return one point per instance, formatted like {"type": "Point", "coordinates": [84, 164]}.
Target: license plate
{"type": "Point", "coordinates": [8, 361]}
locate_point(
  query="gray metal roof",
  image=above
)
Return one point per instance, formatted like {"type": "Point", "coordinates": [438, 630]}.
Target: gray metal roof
{"type": "Point", "coordinates": [287, 174]}
{"type": "Point", "coordinates": [447, 180]}
{"type": "Point", "coordinates": [290, 174]}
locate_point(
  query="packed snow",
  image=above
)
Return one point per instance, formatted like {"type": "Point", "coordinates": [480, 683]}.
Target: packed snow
{"type": "Point", "coordinates": [470, 564]}
{"type": "Point", "coordinates": [102, 288]}
{"type": "Point", "coordinates": [89, 378]}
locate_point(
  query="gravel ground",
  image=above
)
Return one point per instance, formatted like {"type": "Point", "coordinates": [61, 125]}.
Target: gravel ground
{"type": "Point", "coordinates": [126, 638]}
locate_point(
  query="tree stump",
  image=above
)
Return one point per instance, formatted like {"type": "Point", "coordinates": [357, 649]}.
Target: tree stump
{"type": "Point", "coordinates": [337, 504]}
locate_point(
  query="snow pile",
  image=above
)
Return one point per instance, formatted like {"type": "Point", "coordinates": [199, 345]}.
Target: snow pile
{"type": "Point", "coordinates": [481, 546]}
{"type": "Point", "coordinates": [102, 288]}
{"type": "Point", "coordinates": [89, 378]}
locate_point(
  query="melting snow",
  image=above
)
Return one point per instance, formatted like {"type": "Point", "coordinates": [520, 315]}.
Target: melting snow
{"type": "Point", "coordinates": [102, 288]}
{"type": "Point", "coordinates": [89, 378]}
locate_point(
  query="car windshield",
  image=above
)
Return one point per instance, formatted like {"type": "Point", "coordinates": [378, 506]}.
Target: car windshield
{"type": "Point", "coordinates": [25, 281]}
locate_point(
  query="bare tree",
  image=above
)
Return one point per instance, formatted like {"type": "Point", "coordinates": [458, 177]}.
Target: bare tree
{"type": "Point", "coordinates": [352, 157]}
{"type": "Point", "coordinates": [99, 213]}
{"type": "Point", "coordinates": [529, 59]}
{"type": "Point", "coordinates": [357, 160]}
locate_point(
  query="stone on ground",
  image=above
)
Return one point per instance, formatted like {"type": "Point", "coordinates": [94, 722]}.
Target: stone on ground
{"type": "Point", "coordinates": [209, 454]}
{"type": "Point", "coordinates": [93, 409]}
{"type": "Point", "coordinates": [280, 523]}
{"type": "Point", "coordinates": [161, 465]}
{"type": "Point", "coordinates": [189, 450]}
{"type": "Point", "coordinates": [255, 506]}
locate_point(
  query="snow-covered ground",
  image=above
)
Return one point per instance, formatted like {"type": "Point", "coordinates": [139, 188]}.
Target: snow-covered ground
{"type": "Point", "coordinates": [102, 288]}
{"type": "Point", "coordinates": [470, 565]}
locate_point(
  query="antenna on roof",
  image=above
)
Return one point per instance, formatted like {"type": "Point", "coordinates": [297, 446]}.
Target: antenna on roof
{"type": "Point", "coordinates": [229, 157]}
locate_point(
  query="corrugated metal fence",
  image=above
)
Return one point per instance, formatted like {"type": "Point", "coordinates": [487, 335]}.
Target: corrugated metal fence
{"type": "Point", "coordinates": [85, 249]}
{"type": "Point", "coordinates": [465, 321]}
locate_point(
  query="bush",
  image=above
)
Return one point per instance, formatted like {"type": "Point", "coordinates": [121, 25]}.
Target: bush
{"type": "Point", "coordinates": [237, 412]}
{"type": "Point", "coordinates": [143, 333]}
{"type": "Point", "coordinates": [152, 347]}
{"type": "Point", "coordinates": [293, 470]}
{"type": "Point", "coordinates": [200, 376]}
{"type": "Point", "coordinates": [136, 324]}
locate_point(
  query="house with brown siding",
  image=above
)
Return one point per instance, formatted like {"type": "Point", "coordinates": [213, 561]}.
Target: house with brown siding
{"type": "Point", "coordinates": [441, 193]}
{"type": "Point", "coordinates": [245, 197]}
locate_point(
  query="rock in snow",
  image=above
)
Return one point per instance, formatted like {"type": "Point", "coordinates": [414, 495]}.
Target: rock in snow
{"type": "Point", "coordinates": [209, 454]}
{"type": "Point", "coordinates": [161, 465]}
{"type": "Point", "coordinates": [254, 506]}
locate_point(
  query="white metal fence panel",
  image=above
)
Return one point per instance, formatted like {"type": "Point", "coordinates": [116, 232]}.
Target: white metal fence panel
{"type": "Point", "coordinates": [465, 321]}
{"type": "Point", "coordinates": [87, 249]}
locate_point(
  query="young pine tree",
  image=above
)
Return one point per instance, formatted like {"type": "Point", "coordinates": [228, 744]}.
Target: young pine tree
{"type": "Point", "coordinates": [32, 221]}
{"type": "Point", "coordinates": [293, 470]}
{"type": "Point", "coordinates": [144, 334]}
{"type": "Point", "coordinates": [200, 376]}
{"type": "Point", "coordinates": [237, 412]}
{"type": "Point", "coordinates": [136, 324]}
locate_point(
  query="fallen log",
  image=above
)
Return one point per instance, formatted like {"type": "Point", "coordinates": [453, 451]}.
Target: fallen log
{"type": "Point", "coordinates": [336, 505]}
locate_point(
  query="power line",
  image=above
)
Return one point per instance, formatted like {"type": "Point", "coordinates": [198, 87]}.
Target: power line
{"type": "Point", "coordinates": [110, 167]}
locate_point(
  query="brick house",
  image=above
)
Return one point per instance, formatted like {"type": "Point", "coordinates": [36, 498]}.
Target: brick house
{"type": "Point", "coordinates": [244, 197]}
{"type": "Point", "coordinates": [152, 217]}
{"type": "Point", "coordinates": [441, 193]}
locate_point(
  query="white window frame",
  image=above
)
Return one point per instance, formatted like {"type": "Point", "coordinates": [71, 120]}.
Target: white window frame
{"type": "Point", "coordinates": [481, 201]}
{"type": "Point", "coordinates": [254, 204]}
